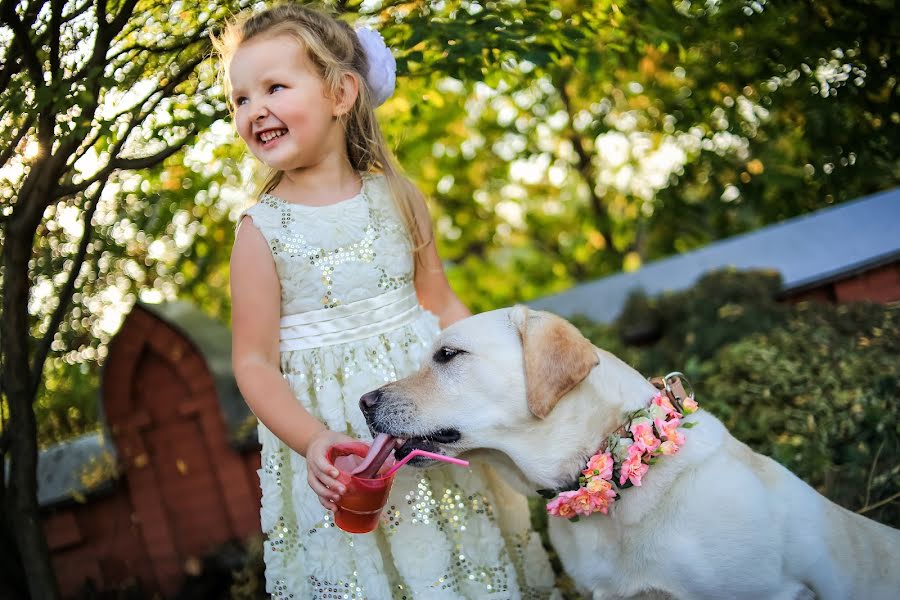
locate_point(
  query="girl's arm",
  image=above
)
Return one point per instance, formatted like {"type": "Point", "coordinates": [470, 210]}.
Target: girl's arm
{"type": "Point", "coordinates": [256, 312]}
{"type": "Point", "coordinates": [432, 288]}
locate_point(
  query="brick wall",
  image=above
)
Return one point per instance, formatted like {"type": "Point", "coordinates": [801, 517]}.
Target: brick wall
{"type": "Point", "coordinates": [880, 285]}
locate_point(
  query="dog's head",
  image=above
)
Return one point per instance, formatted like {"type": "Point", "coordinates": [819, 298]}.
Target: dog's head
{"type": "Point", "coordinates": [491, 382]}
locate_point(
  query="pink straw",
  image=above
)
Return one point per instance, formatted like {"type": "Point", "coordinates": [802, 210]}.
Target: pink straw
{"type": "Point", "coordinates": [426, 454]}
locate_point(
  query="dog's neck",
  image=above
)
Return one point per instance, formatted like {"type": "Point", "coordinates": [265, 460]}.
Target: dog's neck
{"type": "Point", "coordinates": [587, 414]}
{"type": "Point", "coordinates": [614, 389]}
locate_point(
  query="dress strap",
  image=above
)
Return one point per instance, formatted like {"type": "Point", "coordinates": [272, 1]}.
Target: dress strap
{"type": "Point", "coordinates": [349, 322]}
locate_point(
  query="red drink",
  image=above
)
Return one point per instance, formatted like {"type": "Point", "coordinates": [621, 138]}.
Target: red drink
{"type": "Point", "coordinates": [359, 509]}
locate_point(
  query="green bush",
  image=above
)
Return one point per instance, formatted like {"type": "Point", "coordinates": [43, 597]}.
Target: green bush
{"type": "Point", "coordinates": [820, 395]}
{"type": "Point", "coordinates": [814, 386]}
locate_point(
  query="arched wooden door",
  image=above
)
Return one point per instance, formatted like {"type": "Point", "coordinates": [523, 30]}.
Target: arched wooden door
{"type": "Point", "coordinates": [162, 410]}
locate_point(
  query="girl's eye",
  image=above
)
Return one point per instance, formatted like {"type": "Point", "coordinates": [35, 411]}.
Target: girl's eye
{"type": "Point", "coordinates": [445, 354]}
{"type": "Point", "coordinates": [275, 87]}
{"type": "Point", "coordinates": [240, 101]}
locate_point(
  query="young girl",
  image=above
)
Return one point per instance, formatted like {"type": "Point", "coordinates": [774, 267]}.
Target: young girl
{"type": "Point", "coordinates": [337, 288]}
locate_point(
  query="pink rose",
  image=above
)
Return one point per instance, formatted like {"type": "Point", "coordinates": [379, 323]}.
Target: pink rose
{"type": "Point", "coordinates": [668, 448]}
{"type": "Point", "coordinates": [690, 406]}
{"type": "Point", "coordinates": [561, 505]}
{"type": "Point", "coordinates": [633, 469]}
{"type": "Point", "coordinates": [669, 431]}
{"type": "Point", "coordinates": [603, 498]}
{"type": "Point", "coordinates": [643, 436]}
{"type": "Point", "coordinates": [582, 502]}
{"type": "Point", "coordinates": [596, 485]}
{"type": "Point", "coordinates": [600, 465]}
{"type": "Point", "coordinates": [661, 400]}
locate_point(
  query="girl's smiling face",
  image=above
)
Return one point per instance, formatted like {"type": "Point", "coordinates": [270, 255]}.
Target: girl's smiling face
{"type": "Point", "coordinates": [282, 108]}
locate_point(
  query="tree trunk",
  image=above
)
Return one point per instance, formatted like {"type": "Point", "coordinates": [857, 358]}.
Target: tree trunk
{"type": "Point", "coordinates": [12, 575]}
{"type": "Point", "coordinates": [21, 496]}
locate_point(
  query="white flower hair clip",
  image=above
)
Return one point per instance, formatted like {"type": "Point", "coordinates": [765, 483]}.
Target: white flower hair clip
{"type": "Point", "coordinates": [382, 75]}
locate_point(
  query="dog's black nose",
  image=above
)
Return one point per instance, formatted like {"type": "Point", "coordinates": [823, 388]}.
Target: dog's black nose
{"type": "Point", "coordinates": [368, 401]}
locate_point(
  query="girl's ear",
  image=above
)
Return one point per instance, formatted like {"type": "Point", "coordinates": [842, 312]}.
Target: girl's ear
{"type": "Point", "coordinates": [347, 94]}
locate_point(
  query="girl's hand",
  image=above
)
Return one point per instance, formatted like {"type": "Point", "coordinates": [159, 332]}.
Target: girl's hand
{"type": "Point", "coordinates": [321, 474]}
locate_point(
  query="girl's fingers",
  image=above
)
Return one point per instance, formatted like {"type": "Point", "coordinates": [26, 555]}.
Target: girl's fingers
{"type": "Point", "coordinates": [329, 480]}
{"type": "Point", "coordinates": [321, 490]}
{"type": "Point", "coordinates": [327, 496]}
{"type": "Point", "coordinates": [326, 468]}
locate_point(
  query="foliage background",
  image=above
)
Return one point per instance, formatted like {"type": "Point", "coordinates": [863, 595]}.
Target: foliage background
{"type": "Point", "coordinates": [557, 142]}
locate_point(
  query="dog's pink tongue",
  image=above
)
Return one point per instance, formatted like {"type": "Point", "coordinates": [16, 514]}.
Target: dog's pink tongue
{"type": "Point", "coordinates": [381, 448]}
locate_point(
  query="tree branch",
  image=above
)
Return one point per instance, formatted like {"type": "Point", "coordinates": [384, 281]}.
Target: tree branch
{"type": "Point", "coordinates": [10, 65]}
{"type": "Point", "coordinates": [56, 8]}
{"type": "Point", "coordinates": [126, 164]}
{"type": "Point", "coordinates": [879, 504]}
{"type": "Point", "coordinates": [872, 472]}
{"type": "Point", "coordinates": [138, 163]}
{"type": "Point", "coordinates": [22, 39]}
{"type": "Point", "coordinates": [14, 143]}
{"type": "Point", "coordinates": [121, 18]}
{"type": "Point", "coordinates": [161, 94]}
{"type": "Point", "coordinates": [107, 31]}
{"type": "Point", "coordinates": [77, 11]}
{"type": "Point", "coordinates": [86, 142]}
{"type": "Point", "coordinates": [100, 13]}
{"type": "Point", "coordinates": [144, 162]}
{"type": "Point", "coordinates": [585, 168]}
{"type": "Point", "coordinates": [7, 5]}
{"type": "Point", "coordinates": [65, 295]}
{"type": "Point", "coordinates": [40, 187]}
{"type": "Point", "coordinates": [11, 61]}
{"type": "Point", "coordinates": [154, 49]}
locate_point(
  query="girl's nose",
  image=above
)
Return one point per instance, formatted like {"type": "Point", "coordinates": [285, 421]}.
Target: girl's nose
{"type": "Point", "coordinates": [259, 112]}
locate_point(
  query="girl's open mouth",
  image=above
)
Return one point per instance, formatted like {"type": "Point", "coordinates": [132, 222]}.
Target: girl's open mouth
{"type": "Point", "coordinates": [268, 138]}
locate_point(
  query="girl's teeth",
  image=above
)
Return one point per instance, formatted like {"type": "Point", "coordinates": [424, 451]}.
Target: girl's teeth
{"type": "Point", "coordinates": [270, 135]}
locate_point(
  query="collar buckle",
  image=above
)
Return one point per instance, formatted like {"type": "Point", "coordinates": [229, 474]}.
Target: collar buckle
{"type": "Point", "coordinates": [673, 385]}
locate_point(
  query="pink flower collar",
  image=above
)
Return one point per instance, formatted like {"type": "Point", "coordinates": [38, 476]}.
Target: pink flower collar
{"type": "Point", "coordinates": [627, 453]}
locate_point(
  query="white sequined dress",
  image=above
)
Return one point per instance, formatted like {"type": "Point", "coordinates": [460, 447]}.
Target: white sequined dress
{"type": "Point", "coordinates": [350, 323]}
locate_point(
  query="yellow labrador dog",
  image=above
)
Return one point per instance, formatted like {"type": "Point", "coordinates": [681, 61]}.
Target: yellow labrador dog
{"type": "Point", "coordinates": [525, 391]}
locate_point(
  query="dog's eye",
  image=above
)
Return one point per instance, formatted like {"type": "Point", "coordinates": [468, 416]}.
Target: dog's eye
{"type": "Point", "coordinates": [445, 354]}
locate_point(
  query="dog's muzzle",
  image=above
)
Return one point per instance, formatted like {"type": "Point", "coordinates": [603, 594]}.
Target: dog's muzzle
{"type": "Point", "coordinates": [367, 404]}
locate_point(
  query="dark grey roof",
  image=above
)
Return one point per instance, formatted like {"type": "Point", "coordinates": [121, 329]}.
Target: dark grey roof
{"type": "Point", "coordinates": [810, 250]}
{"type": "Point", "coordinates": [76, 469]}
{"type": "Point", "coordinates": [213, 340]}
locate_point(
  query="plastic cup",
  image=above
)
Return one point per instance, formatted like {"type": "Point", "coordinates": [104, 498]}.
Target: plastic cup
{"type": "Point", "coordinates": [359, 509]}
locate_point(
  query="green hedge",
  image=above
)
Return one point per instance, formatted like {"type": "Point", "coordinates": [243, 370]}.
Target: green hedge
{"type": "Point", "coordinates": [815, 386]}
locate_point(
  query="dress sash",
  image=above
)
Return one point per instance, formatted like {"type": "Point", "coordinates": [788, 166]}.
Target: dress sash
{"type": "Point", "coordinates": [350, 322]}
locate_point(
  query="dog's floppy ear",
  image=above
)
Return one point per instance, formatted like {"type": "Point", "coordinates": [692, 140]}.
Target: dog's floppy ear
{"type": "Point", "coordinates": [557, 357]}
